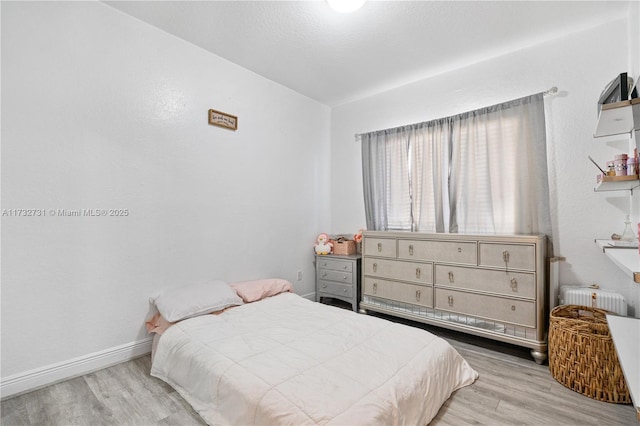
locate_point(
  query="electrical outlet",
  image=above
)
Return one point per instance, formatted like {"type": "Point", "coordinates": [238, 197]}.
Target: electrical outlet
{"type": "Point", "coordinates": [299, 276]}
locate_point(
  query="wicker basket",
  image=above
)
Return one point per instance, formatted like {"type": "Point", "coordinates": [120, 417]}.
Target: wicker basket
{"type": "Point", "coordinates": [582, 356]}
{"type": "Point", "coordinates": [344, 246]}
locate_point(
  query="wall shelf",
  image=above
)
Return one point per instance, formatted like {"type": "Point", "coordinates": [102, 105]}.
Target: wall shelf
{"type": "Point", "coordinates": [618, 118]}
{"type": "Point", "coordinates": [629, 183]}
{"type": "Point", "coordinates": [625, 258]}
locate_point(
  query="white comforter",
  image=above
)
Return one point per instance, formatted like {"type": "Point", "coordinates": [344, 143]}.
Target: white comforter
{"type": "Point", "coordinates": [287, 360]}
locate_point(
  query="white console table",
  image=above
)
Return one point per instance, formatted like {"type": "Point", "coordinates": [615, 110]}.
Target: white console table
{"type": "Point", "coordinates": [625, 332]}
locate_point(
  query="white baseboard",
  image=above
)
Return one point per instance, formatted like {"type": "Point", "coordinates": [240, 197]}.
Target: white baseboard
{"type": "Point", "coordinates": [44, 376]}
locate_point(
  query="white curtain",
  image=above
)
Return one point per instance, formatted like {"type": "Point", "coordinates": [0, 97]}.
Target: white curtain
{"type": "Point", "coordinates": [481, 172]}
{"type": "Point", "coordinates": [404, 174]}
{"type": "Point", "coordinates": [386, 180]}
{"type": "Point", "coordinates": [430, 172]}
{"type": "Point", "coordinates": [499, 181]}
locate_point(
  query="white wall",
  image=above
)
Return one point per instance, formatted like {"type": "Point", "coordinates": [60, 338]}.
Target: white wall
{"type": "Point", "coordinates": [580, 65]}
{"type": "Point", "coordinates": [634, 40]}
{"type": "Point", "coordinates": [101, 111]}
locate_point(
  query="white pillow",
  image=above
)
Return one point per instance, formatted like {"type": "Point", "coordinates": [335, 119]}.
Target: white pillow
{"type": "Point", "coordinates": [195, 299]}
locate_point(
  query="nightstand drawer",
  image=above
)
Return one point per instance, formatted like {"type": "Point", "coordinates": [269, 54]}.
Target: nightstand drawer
{"type": "Point", "coordinates": [336, 265]}
{"type": "Point", "coordinates": [343, 290]}
{"type": "Point", "coordinates": [343, 277]}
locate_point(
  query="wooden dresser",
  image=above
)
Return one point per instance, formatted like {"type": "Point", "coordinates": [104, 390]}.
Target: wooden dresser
{"type": "Point", "coordinates": [338, 276]}
{"type": "Point", "coordinates": [491, 286]}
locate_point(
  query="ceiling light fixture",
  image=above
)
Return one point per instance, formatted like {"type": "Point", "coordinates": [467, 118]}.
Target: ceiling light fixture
{"type": "Point", "coordinates": [345, 6]}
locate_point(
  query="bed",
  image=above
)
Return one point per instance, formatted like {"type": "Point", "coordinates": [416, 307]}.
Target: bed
{"type": "Point", "coordinates": [283, 359]}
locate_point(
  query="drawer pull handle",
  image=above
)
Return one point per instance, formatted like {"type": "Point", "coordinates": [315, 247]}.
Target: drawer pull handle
{"type": "Point", "coordinates": [513, 307]}
{"type": "Point", "coordinates": [345, 267]}
{"type": "Point", "coordinates": [324, 286]}
{"type": "Point", "coordinates": [450, 300]}
{"type": "Point", "coordinates": [450, 276]}
{"type": "Point", "coordinates": [505, 256]}
{"type": "Point", "coordinates": [375, 267]}
{"type": "Point", "coordinates": [417, 272]}
{"type": "Point", "coordinates": [410, 249]}
{"type": "Point", "coordinates": [459, 249]}
{"type": "Point", "coordinates": [514, 284]}
{"type": "Point", "coordinates": [345, 290]}
{"type": "Point", "coordinates": [324, 275]}
{"type": "Point", "coordinates": [344, 278]}
{"type": "Point", "coordinates": [379, 247]}
{"type": "Point", "coordinates": [417, 295]}
{"type": "Point", "coordinates": [375, 288]}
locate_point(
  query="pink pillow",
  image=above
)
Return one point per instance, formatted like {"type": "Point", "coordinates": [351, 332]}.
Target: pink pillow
{"type": "Point", "coordinates": [157, 324]}
{"type": "Point", "coordinates": [252, 291]}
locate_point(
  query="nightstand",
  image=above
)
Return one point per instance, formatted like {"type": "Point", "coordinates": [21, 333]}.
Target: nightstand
{"type": "Point", "coordinates": [338, 276]}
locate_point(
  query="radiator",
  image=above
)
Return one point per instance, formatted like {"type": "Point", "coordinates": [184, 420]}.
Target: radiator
{"type": "Point", "coordinates": [598, 298]}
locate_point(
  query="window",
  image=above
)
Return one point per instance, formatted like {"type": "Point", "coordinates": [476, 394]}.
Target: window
{"type": "Point", "coordinates": [480, 172]}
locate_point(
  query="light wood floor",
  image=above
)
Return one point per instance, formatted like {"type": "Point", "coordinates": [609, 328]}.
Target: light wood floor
{"type": "Point", "coordinates": [511, 390]}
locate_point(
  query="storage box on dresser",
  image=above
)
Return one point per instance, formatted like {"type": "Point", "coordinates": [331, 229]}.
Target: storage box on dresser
{"type": "Point", "coordinates": [491, 286]}
{"type": "Point", "coordinates": [338, 276]}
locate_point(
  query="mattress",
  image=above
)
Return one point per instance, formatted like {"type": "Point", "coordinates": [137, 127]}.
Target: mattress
{"type": "Point", "coordinates": [287, 360]}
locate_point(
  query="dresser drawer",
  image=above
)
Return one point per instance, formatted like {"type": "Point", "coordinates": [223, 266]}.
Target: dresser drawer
{"type": "Point", "coordinates": [491, 307]}
{"type": "Point", "coordinates": [519, 284]}
{"type": "Point", "coordinates": [405, 271]}
{"type": "Point", "coordinates": [336, 265]}
{"type": "Point", "coordinates": [381, 247]}
{"type": "Point", "coordinates": [401, 292]}
{"type": "Point", "coordinates": [508, 256]}
{"type": "Point", "coordinates": [464, 252]}
{"type": "Point", "coordinates": [337, 289]}
{"type": "Point", "coordinates": [329, 275]}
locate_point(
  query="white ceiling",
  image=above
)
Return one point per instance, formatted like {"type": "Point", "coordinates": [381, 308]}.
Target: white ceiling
{"type": "Point", "coordinates": [336, 58]}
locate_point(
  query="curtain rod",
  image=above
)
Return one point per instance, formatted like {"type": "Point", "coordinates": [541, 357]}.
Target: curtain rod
{"type": "Point", "coordinates": [551, 92]}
